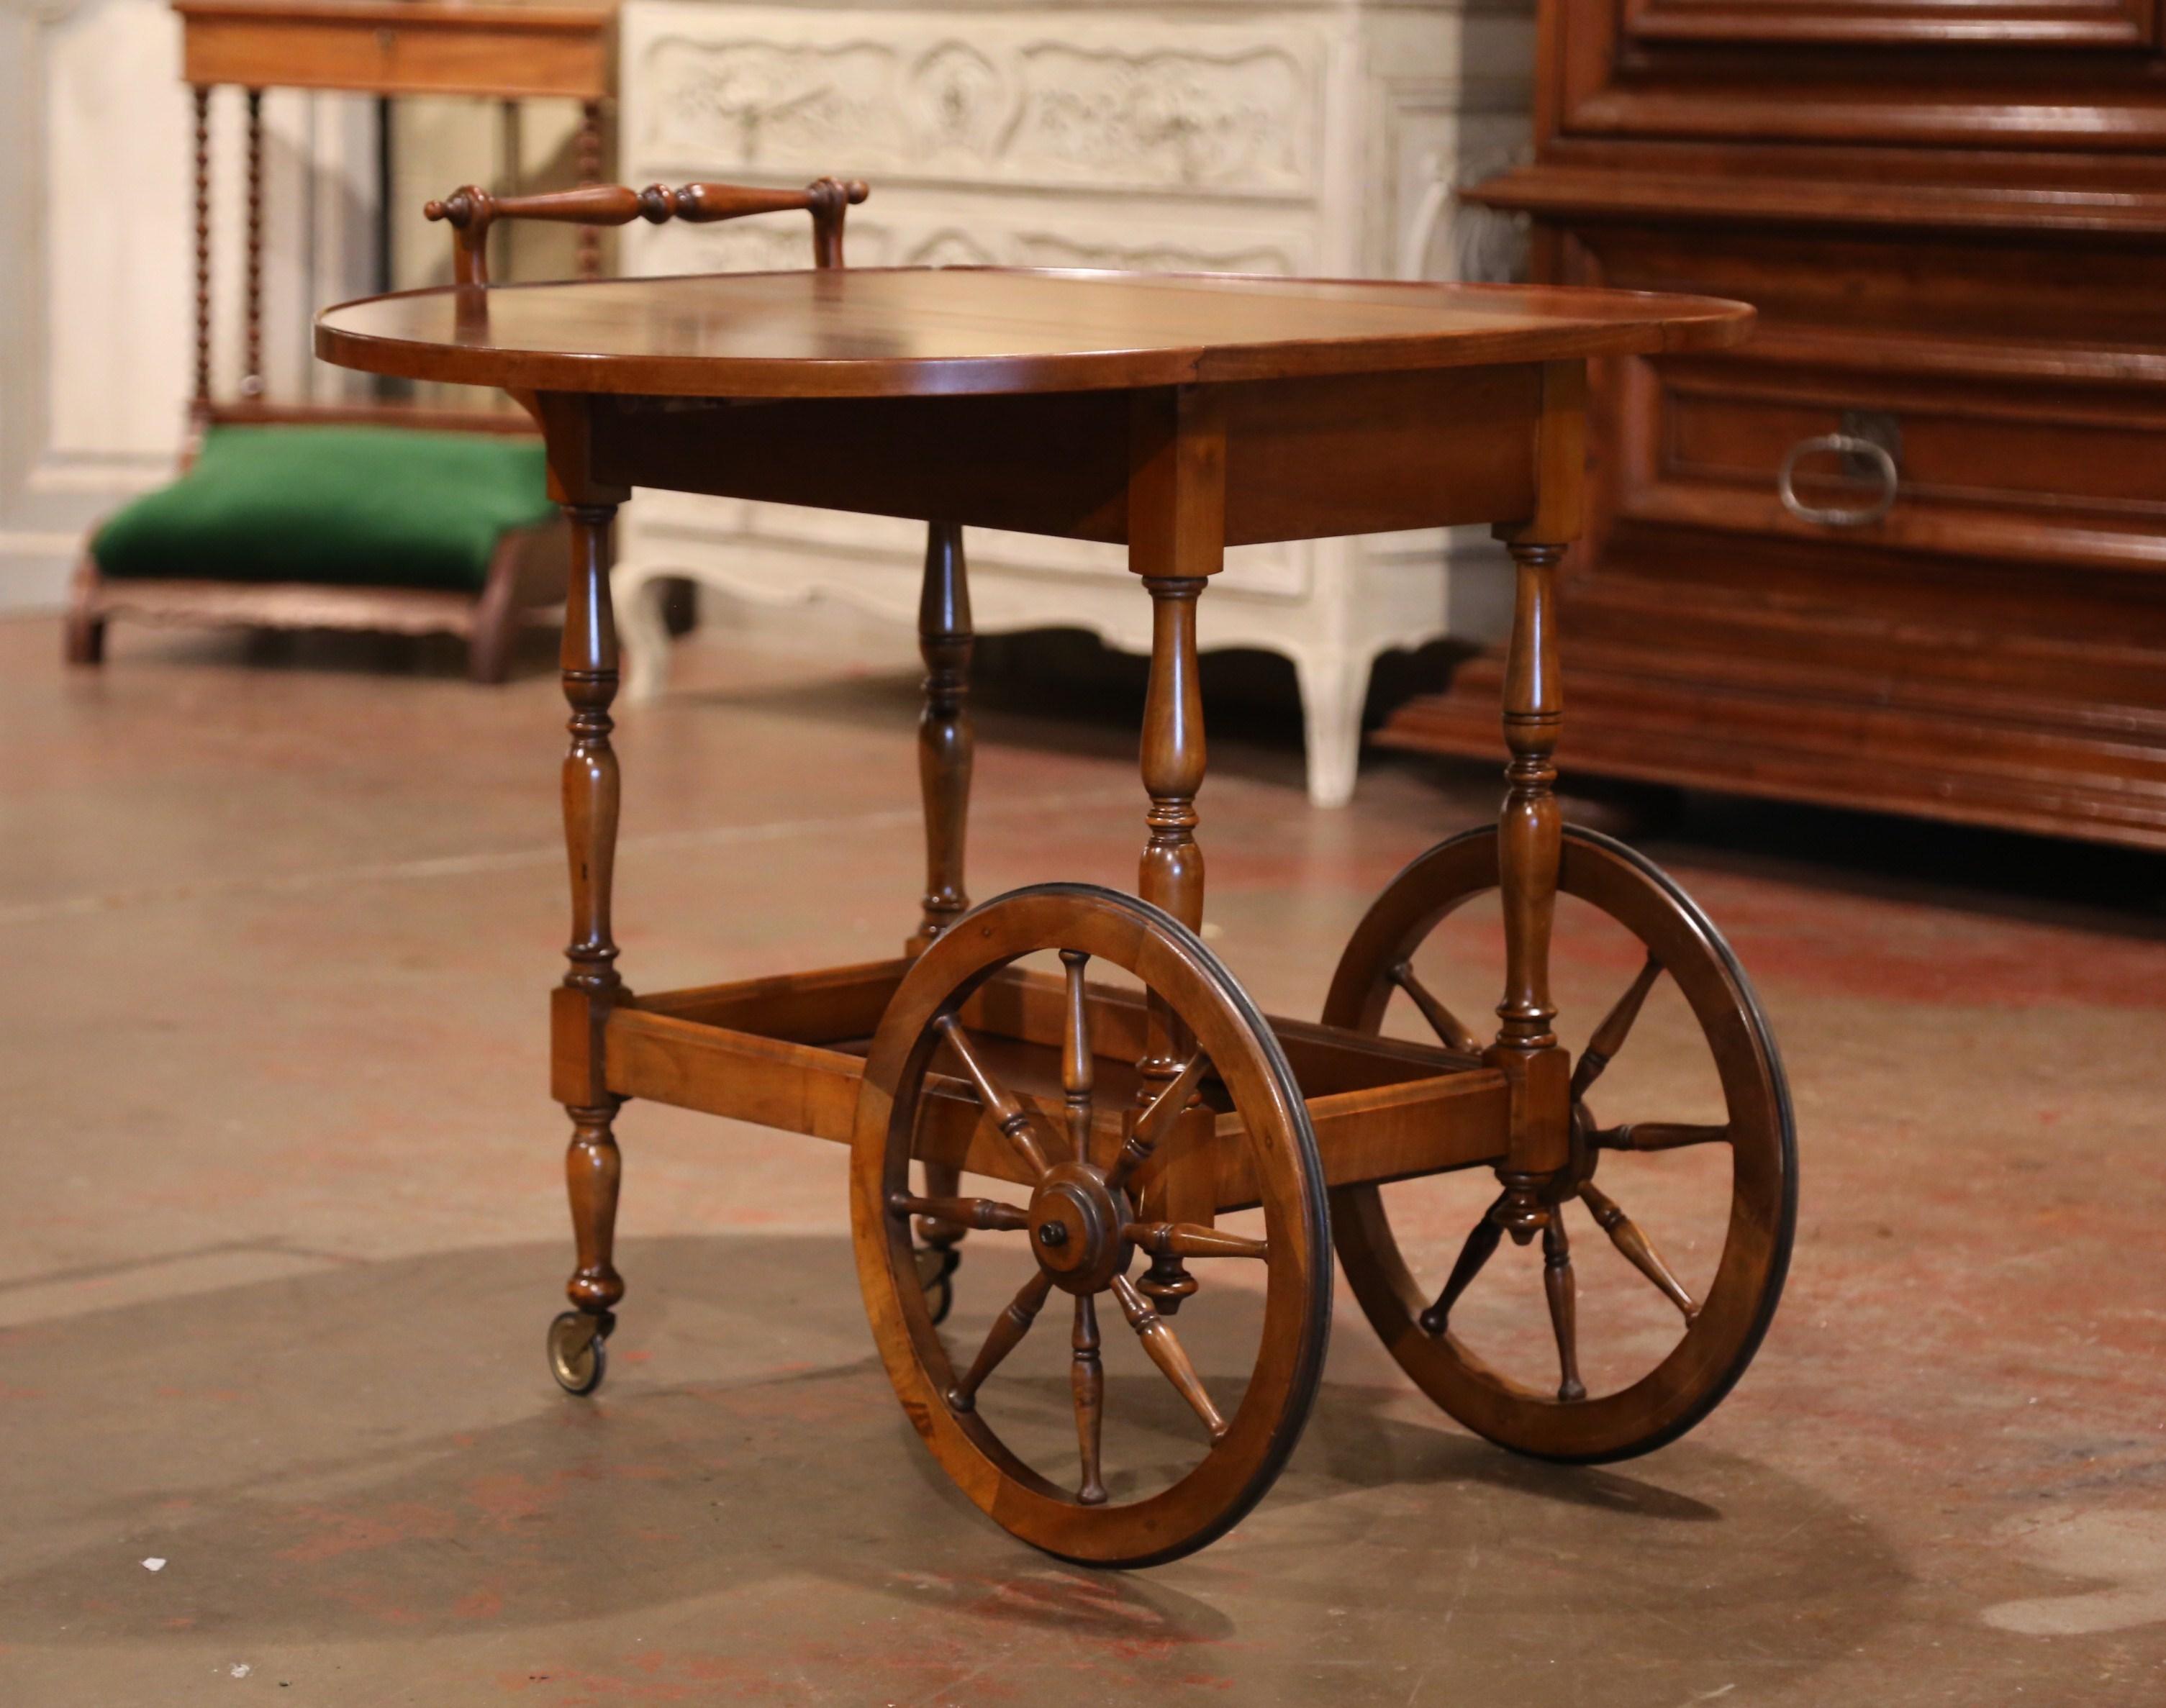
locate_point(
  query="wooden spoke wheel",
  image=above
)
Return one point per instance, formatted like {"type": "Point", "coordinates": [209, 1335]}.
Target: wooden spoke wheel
{"type": "Point", "coordinates": [1085, 1158]}
{"type": "Point", "coordinates": [1720, 1331]}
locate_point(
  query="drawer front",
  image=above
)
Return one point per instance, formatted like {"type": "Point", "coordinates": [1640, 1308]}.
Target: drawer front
{"type": "Point", "coordinates": [494, 56]}
{"type": "Point", "coordinates": [2023, 24]}
{"type": "Point", "coordinates": [1998, 74]}
{"type": "Point", "coordinates": [1987, 403]}
{"type": "Point", "coordinates": [1865, 453]}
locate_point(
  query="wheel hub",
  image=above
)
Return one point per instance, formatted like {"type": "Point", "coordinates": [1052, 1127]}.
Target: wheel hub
{"type": "Point", "coordinates": [1076, 1224]}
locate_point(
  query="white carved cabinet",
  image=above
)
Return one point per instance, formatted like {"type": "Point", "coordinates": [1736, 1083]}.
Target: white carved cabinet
{"type": "Point", "coordinates": [1317, 138]}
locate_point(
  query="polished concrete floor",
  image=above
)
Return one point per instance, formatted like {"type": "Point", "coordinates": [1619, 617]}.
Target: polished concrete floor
{"type": "Point", "coordinates": [285, 1228]}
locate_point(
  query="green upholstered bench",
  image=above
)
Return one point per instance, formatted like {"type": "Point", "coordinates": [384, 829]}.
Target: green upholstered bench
{"type": "Point", "coordinates": [350, 506]}
{"type": "Point", "coordinates": [335, 525]}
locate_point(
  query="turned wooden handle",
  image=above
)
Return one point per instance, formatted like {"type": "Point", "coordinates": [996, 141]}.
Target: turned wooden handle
{"type": "Point", "coordinates": [470, 211]}
{"type": "Point", "coordinates": [828, 200]}
{"type": "Point", "coordinates": [702, 204]}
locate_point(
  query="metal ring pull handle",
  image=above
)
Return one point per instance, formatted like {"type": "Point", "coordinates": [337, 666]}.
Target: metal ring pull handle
{"type": "Point", "coordinates": [1846, 445]}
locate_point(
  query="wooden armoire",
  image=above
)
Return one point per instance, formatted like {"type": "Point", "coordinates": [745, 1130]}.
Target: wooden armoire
{"type": "Point", "coordinates": [1906, 549]}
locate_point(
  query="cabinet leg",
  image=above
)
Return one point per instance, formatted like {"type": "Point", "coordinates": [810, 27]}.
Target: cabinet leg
{"type": "Point", "coordinates": [645, 634]}
{"type": "Point", "coordinates": [1332, 694]}
{"type": "Point", "coordinates": [498, 615]}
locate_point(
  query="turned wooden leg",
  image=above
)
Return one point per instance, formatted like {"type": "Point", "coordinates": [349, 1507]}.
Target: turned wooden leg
{"type": "Point", "coordinates": [1529, 836]}
{"type": "Point", "coordinates": [1557, 1282]}
{"type": "Point", "coordinates": [1530, 829]}
{"type": "Point", "coordinates": [1530, 826]}
{"type": "Point", "coordinates": [1087, 1378]}
{"type": "Point", "coordinates": [1176, 542]}
{"type": "Point", "coordinates": [944, 739]}
{"type": "Point", "coordinates": [252, 374]}
{"type": "Point", "coordinates": [589, 157]}
{"type": "Point", "coordinates": [84, 640]}
{"type": "Point", "coordinates": [591, 794]}
{"type": "Point", "coordinates": [938, 1258]}
{"type": "Point", "coordinates": [199, 407]}
{"type": "Point", "coordinates": [1171, 876]}
{"type": "Point", "coordinates": [592, 1170]}
{"type": "Point", "coordinates": [589, 154]}
{"type": "Point", "coordinates": [498, 615]}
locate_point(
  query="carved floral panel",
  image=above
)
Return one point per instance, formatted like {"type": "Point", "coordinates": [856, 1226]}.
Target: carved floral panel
{"type": "Point", "coordinates": [1179, 119]}
{"type": "Point", "coordinates": [1227, 110]}
{"type": "Point", "coordinates": [1288, 137]}
{"type": "Point", "coordinates": [754, 246]}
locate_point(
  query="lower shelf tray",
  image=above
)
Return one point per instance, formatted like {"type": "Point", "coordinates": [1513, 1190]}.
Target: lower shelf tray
{"type": "Point", "coordinates": [789, 1053]}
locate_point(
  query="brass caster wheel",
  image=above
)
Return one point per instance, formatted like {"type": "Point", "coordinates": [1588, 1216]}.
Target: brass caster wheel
{"type": "Point", "coordinates": [578, 1355]}
{"type": "Point", "coordinates": [1116, 1125]}
{"type": "Point", "coordinates": [1670, 1345]}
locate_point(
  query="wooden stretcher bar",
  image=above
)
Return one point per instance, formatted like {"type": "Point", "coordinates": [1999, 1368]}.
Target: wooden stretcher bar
{"type": "Point", "coordinates": [789, 1053]}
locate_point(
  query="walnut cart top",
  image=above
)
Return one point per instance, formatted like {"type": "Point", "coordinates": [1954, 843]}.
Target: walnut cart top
{"type": "Point", "coordinates": [921, 331]}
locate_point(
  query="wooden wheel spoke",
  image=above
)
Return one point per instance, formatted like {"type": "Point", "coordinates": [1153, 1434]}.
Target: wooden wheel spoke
{"type": "Point", "coordinates": [1624, 1234]}
{"type": "Point", "coordinates": [1557, 1281]}
{"type": "Point", "coordinates": [985, 1214]}
{"type": "Point", "coordinates": [1447, 1025]}
{"type": "Point", "coordinates": [1005, 1110]}
{"type": "Point", "coordinates": [1151, 1122]}
{"type": "Point", "coordinates": [1658, 1135]}
{"type": "Point", "coordinates": [1616, 1026]}
{"type": "Point", "coordinates": [1186, 1239]}
{"type": "Point", "coordinates": [1007, 1331]}
{"type": "Point", "coordinates": [1480, 1246]}
{"type": "Point", "coordinates": [1167, 1352]}
{"type": "Point", "coordinates": [1075, 1057]}
{"type": "Point", "coordinates": [1087, 1378]}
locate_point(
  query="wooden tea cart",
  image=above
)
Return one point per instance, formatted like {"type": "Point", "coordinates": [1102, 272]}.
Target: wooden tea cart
{"type": "Point", "coordinates": [1119, 1119]}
